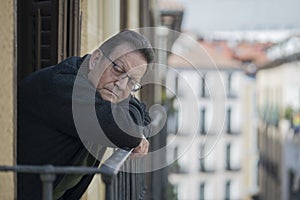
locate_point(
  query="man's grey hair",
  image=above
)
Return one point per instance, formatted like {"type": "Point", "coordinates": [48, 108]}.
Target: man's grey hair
{"type": "Point", "coordinates": [137, 41]}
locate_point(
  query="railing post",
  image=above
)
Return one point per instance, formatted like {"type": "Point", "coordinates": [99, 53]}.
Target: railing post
{"type": "Point", "coordinates": [47, 180]}
{"type": "Point", "coordinates": [108, 192]}
{"type": "Point", "coordinates": [108, 181]}
{"type": "Point", "coordinates": [110, 168]}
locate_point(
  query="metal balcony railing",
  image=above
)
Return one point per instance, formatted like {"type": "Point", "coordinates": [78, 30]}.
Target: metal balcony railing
{"type": "Point", "coordinates": [119, 183]}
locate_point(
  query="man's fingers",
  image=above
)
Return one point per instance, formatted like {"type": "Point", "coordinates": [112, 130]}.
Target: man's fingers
{"type": "Point", "coordinates": [141, 150]}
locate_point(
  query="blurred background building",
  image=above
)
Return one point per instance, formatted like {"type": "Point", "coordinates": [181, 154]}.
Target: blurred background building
{"type": "Point", "coordinates": [278, 94]}
{"type": "Point", "coordinates": [213, 89]}
{"type": "Point", "coordinates": [255, 46]}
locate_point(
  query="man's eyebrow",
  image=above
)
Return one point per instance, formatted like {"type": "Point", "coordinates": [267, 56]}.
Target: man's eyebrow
{"type": "Point", "coordinates": [122, 64]}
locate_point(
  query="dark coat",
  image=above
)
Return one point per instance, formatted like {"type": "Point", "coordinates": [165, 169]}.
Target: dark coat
{"type": "Point", "coordinates": [47, 133]}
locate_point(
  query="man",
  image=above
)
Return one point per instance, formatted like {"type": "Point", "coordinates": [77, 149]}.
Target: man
{"type": "Point", "coordinates": [59, 105]}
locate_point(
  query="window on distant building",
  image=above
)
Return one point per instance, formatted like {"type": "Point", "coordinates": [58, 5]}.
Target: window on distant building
{"type": "Point", "coordinates": [228, 156]}
{"type": "Point", "coordinates": [207, 159]}
{"type": "Point", "coordinates": [202, 191]}
{"type": "Point", "coordinates": [227, 189]}
{"type": "Point", "coordinates": [204, 92]}
{"type": "Point", "coordinates": [233, 121]}
{"type": "Point", "coordinates": [231, 84]}
{"type": "Point", "coordinates": [172, 119]}
{"type": "Point", "coordinates": [202, 121]}
{"type": "Point", "coordinates": [176, 84]}
{"type": "Point", "coordinates": [202, 158]}
{"type": "Point", "coordinates": [175, 168]}
{"type": "Point", "coordinates": [228, 121]}
{"type": "Point", "coordinates": [179, 86]}
{"type": "Point", "coordinates": [176, 153]}
{"type": "Point", "coordinates": [233, 156]}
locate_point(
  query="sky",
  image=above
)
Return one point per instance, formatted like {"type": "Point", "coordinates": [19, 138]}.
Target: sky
{"type": "Point", "coordinates": [274, 19]}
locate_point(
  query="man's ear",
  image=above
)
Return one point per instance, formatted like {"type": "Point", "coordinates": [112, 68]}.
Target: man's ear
{"type": "Point", "coordinates": [95, 59]}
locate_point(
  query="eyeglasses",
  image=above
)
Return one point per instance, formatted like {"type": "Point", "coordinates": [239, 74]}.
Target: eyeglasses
{"type": "Point", "coordinates": [120, 73]}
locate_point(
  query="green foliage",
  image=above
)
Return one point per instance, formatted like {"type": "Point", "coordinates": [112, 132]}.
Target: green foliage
{"type": "Point", "coordinates": [171, 192]}
{"type": "Point", "coordinates": [288, 113]}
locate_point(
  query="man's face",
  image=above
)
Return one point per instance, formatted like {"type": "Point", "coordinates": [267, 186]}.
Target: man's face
{"type": "Point", "coordinates": [113, 84]}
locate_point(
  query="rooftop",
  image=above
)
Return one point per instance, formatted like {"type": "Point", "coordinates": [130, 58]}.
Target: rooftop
{"type": "Point", "coordinates": [220, 53]}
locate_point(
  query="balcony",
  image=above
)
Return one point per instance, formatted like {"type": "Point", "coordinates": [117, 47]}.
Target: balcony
{"type": "Point", "coordinates": [119, 184]}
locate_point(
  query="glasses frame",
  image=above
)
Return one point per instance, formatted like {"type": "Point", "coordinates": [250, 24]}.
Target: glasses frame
{"type": "Point", "coordinates": [136, 86]}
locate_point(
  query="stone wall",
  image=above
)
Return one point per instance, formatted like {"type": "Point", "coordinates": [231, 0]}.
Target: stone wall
{"type": "Point", "coordinates": [7, 95]}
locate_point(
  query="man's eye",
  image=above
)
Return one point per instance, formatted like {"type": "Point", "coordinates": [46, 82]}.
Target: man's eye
{"type": "Point", "coordinates": [117, 69]}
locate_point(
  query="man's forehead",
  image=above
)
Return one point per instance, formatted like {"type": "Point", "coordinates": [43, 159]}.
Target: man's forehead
{"type": "Point", "coordinates": [121, 50]}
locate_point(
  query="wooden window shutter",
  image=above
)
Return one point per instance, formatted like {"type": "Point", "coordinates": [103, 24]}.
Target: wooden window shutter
{"type": "Point", "coordinates": [44, 20]}
{"type": "Point", "coordinates": [48, 31]}
{"type": "Point", "coordinates": [69, 27]}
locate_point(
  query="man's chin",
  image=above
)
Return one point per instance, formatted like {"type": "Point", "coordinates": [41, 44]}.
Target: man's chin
{"type": "Point", "coordinates": [110, 98]}
{"type": "Point", "coordinates": [108, 95]}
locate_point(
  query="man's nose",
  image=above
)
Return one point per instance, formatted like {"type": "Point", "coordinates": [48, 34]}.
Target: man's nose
{"type": "Point", "coordinates": [122, 83]}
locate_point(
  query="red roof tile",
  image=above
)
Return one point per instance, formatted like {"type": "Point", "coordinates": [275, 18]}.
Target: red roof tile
{"type": "Point", "coordinates": [209, 53]}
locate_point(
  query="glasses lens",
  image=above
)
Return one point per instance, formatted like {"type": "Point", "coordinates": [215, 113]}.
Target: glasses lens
{"type": "Point", "coordinates": [136, 87]}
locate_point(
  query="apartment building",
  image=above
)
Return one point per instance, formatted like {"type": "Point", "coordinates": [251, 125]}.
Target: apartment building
{"type": "Point", "coordinates": [278, 99]}
{"type": "Point", "coordinates": [211, 125]}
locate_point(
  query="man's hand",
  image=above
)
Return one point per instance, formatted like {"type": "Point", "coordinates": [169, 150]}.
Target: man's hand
{"type": "Point", "coordinates": [141, 150]}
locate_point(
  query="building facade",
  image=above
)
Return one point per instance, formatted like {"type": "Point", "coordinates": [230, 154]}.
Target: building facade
{"type": "Point", "coordinates": [211, 128]}
{"type": "Point", "coordinates": [278, 88]}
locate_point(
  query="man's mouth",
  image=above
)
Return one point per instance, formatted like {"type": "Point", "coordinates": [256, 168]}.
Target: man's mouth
{"type": "Point", "coordinates": [112, 92]}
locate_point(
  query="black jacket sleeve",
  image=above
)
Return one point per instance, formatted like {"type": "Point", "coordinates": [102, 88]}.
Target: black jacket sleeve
{"type": "Point", "coordinates": [76, 109]}
{"type": "Point", "coordinates": [135, 106]}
